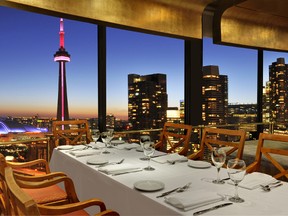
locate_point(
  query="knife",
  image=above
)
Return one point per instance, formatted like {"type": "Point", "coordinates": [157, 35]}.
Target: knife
{"type": "Point", "coordinates": [167, 193]}
{"type": "Point", "coordinates": [132, 171]}
{"type": "Point", "coordinates": [211, 209]}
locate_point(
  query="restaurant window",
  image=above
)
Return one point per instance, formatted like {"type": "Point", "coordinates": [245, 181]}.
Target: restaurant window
{"type": "Point", "coordinates": [143, 55]}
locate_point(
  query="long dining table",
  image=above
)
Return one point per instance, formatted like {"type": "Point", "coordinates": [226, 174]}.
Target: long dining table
{"type": "Point", "coordinates": [119, 192]}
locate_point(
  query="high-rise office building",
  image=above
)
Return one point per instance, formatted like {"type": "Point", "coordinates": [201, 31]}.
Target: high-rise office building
{"type": "Point", "coordinates": [278, 86]}
{"type": "Point", "coordinates": [266, 102]}
{"type": "Point", "coordinates": [62, 56]}
{"type": "Point", "coordinates": [215, 96]}
{"type": "Point", "coordinates": [147, 101]}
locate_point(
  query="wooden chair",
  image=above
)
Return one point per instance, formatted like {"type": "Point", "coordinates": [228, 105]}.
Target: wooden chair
{"type": "Point", "coordinates": [232, 140]}
{"type": "Point", "coordinates": [46, 195]}
{"type": "Point", "coordinates": [23, 204]}
{"type": "Point", "coordinates": [272, 153]}
{"type": "Point", "coordinates": [174, 138]}
{"type": "Point", "coordinates": [71, 132]}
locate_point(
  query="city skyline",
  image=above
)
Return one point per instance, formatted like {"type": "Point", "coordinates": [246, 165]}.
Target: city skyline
{"type": "Point", "coordinates": [30, 76]}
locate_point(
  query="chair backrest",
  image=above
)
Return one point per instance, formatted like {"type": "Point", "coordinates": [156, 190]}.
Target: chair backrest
{"type": "Point", "coordinates": [5, 203]}
{"type": "Point", "coordinates": [71, 132]}
{"type": "Point", "coordinates": [174, 138]}
{"type": "Point", "coordinates": [231, 140]}
{"type": "Point", "coordinates": [22, 204]}
{"type": "Point", "coordinates": [274, 147]}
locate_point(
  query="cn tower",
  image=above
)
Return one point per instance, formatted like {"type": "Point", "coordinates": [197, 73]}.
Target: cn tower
{"type": "Point", "coordinates": [62, 56]}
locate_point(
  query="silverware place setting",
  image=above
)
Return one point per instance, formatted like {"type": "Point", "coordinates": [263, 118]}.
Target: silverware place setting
{"type": "Point", "coordinates": [271, 185]}
{"type": "Point", "coordinates": [178, 190]}
{"type": "Point", "coordinates": [112, 163]}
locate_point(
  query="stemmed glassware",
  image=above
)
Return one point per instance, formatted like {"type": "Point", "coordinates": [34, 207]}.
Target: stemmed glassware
{"type": "Point", "coordinates": [105, 137]}
{"type": "Point", "coordinates": [218, 157]}
{"type": "Point", "coordinates": [110, 137]}
{"type": "Point", "coordinates": [95, 135]}
{"type": "Point", "coordinates": [149, 149]}
{"type": "Point", "coordinates": [236, 170]}
{"type": "Point", "coordinates": [143, 139]}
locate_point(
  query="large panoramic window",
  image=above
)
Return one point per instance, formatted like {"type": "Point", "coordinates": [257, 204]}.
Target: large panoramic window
{"type": "Point", "coordinates": [240, 66]}
{"type": "Point", "coordinates": [142, 54]}
{"type": "Point", "coordinates": [29, 75]}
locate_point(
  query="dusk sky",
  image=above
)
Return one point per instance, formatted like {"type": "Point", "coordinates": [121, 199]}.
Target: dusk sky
{"type": "Point", "coordinates": [29, 75]}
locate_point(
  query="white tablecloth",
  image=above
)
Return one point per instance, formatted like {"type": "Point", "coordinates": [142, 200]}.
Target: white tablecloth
{"type": "Point", "coordinates": [118, 192]}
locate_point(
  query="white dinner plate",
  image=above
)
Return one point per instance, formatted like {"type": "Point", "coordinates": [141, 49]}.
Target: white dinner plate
{"type": "Point", "coordinates": [139, 149]}
{"type": "Point", "coordinates": [65, 147]}
{"type": "Point", "coordinates": [97, 161]}
{"type": "Point", "coordinates": [117, 142]}
{"type": "Point", "coordinates": [199, 164]}
{"type": "Point", "coordinates": [149, 185]}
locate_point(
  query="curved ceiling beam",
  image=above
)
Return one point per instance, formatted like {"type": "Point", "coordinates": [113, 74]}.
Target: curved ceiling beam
{"type": "Point", "coordinates": [168, 17]}
{"type": "Point", "coordinates": [259, 24]}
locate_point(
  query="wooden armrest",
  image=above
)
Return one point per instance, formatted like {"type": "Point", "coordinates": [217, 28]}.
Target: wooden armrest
{"type": "Point", "coordinates": [68, 183]}
{"type": "Point", "coordinates": [252, 167]}
{"type": "Point", "coordinates": [194, 156]}
{"type": "Point", "coordinates": [45, 183]}
{"type": "Point", "coordinates": [67, 208]}
{"type": "Point", "coordinates": [158, 146]}
{"type": "Point", "coordinates": [107, 213]}
{"type": "Point", "coordinates": [37, 178]}
{"type": "Point", "coordinates": [29, 164]}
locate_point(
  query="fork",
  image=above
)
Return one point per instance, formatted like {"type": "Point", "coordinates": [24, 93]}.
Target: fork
{"type": "Point", "coordinates": [178, 190]}
{"type": "Point", "coordinates": [119, 162]}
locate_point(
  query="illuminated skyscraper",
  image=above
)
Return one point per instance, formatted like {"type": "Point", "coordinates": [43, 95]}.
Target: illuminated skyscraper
{"type": "Point", "coordinates": [147, 101]}
{"type": "Point", "coordinates": [215, 96]}
{"type": "Point", "coordinates": [278, 86]}
{"type": "Point", "coordinates": [62, 56]}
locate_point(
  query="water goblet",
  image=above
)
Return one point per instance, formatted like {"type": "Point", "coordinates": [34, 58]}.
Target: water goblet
{"type": "Point", "coordinates": [110, 137]}
{"type": "Point", "coordinates": [148, 149]}
{"type": "Point", "coordinates": [218, 157]}
{"type": "Point", "coordinates": [95, 135]}
{"type": "Point", "coordinates": [105, 138]}
{"type": "Point", "coordinates": [236, 170]}
{"type": "Point", "coordinates": [143, 139]}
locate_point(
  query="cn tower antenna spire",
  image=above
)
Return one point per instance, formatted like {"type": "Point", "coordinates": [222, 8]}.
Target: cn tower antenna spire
{"type": "Point", "coordinates": [62, 57]}
{"type": "Point", "coordinates": [61, 33]}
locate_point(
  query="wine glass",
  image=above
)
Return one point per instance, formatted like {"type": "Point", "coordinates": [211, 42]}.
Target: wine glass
{"type": "Point", "coordinates": [218, 157]}
{"type": "Point", "coordinates": [143, 139]}
{"type": "Point", "coordinates": [105, 137]}
{"type": "Point", "coordinates": [236, 170]}
{"type": "Point", "coordinates": [110, 137]}
{"type": "Point", "coordinates": [149, 149]}
{"type": "Point", "coordinates": [95, 135]}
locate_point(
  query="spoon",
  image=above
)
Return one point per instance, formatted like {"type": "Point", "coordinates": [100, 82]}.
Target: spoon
{"type": "Point", "coordinates": [268, 187]}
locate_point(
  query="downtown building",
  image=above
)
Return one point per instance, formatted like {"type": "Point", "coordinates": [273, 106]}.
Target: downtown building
{"type": "Point", "coordinates": [147, 101]}
{"type": "Point", "coordinates": [215, 96]}
{"type": "Point", "coordinates": [277, 93]}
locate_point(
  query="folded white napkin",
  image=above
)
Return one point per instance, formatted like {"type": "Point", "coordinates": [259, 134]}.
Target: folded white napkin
{"type": "Point", "coordinates": [86, 152]}
{"type": "Point", "coordinates": [119, 168]}
{"type": "Point", "coordinates": [188, 201]}
{"type": "Point", "coordinates": [171, 158]}
{"type": "Point", "coordinates": [127, 146]}
{"type": "Point", "coordinates": [96, 145]}
{"type": "Point", "coordinates": [254, 180]}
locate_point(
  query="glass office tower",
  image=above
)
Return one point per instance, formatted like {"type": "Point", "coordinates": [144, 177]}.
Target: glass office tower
{"type": "Point", "coordinates": [215, 96]}
{"type": "Point", "coordinates": [147, 101]}
{"type": "Point", "coordinates": [278, 92]}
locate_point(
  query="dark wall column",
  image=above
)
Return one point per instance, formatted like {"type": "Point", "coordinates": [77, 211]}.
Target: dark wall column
{"type": "Point", "coordinates": [102, 78]}
{"type": "Point", "coordinates": [193, 81]}
{"type": "Point", "coordinates": [260, 91]}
